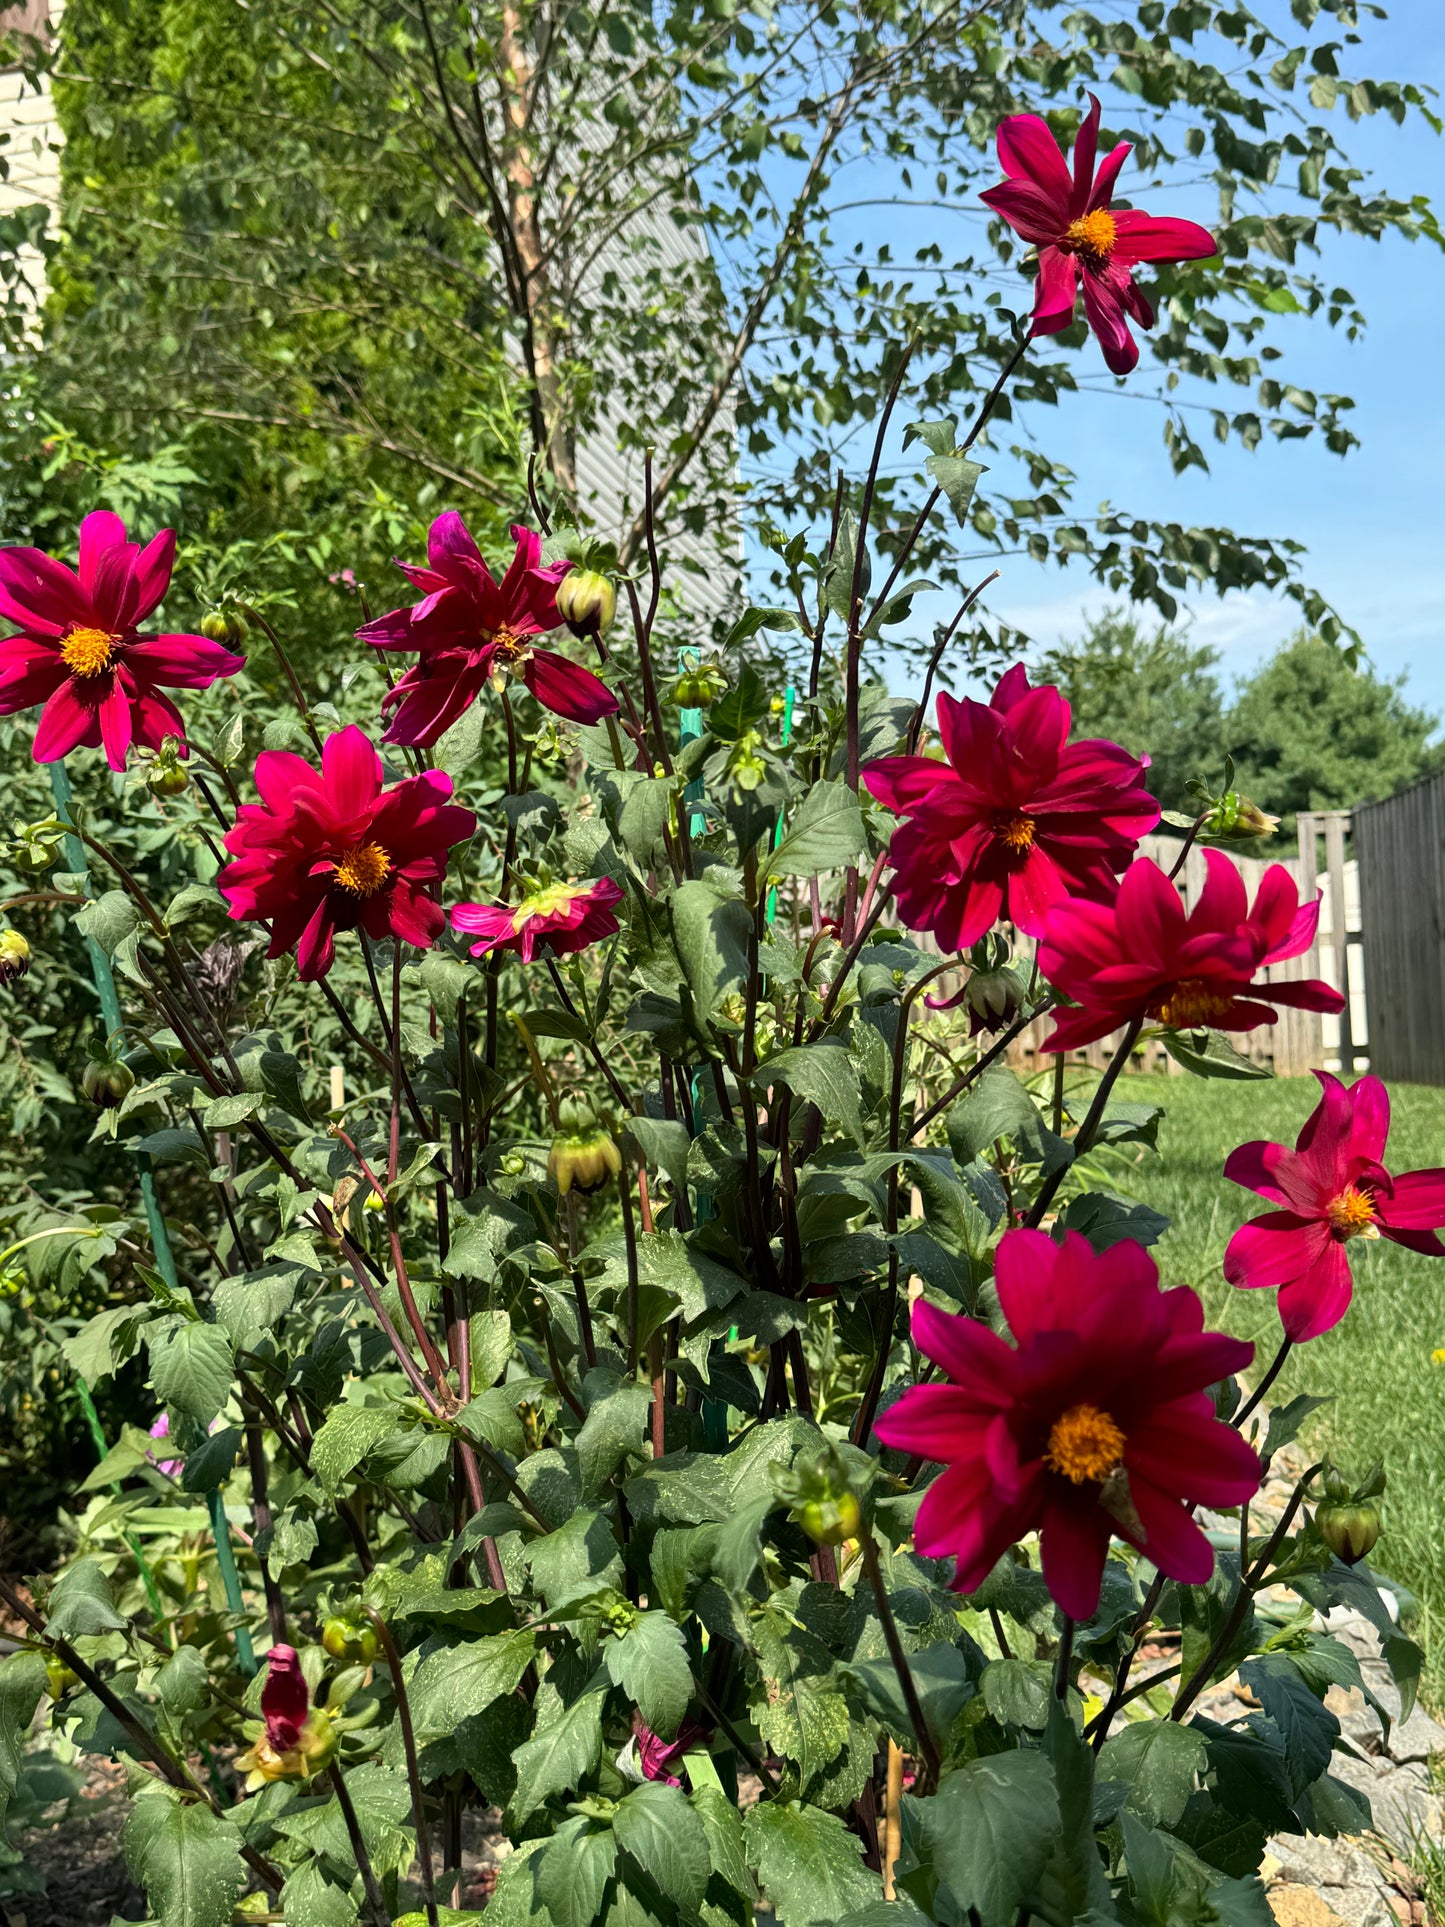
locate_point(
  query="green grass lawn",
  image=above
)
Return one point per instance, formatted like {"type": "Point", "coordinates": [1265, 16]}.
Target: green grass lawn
{"type": "Point", "coordinates": [1389, 1397]}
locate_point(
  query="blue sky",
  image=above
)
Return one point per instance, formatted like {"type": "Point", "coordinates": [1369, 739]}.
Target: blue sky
{"type": "Point", "coordinates": [1370, 521]}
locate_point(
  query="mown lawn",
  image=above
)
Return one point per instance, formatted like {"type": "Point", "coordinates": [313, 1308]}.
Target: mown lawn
{"type": "Point", "coordinates": [1389, 1396]}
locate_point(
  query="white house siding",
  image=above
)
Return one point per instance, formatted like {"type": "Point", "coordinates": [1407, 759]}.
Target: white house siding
{"type": "Point", "coordinates": [30, 138]}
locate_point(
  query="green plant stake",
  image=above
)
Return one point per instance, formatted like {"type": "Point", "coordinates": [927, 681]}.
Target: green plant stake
{"type": "Point", "coordinates": [105, 990]}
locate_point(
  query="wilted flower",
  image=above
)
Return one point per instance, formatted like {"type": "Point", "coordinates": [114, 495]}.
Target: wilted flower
{"type": "Point", "coordinates": [562, 916]}
{"type": "Point", "coordinates": [1016, 820]}
{"type": "Point", "coordinates": [1334, 1188]}
{"type": "Point", "coordinates": [80, 650]}
{"type": "Point", "coordinates": [657, 1756]}
{"type": "Point", "coordinates": [1141, 956]}
{"type": "Point", "coordinates": [470, 630]}
{"type": "Point", "coordinates": [327, 850]}
{"type": "Point", "coordinates": [106, 1080]}
{"type": "Point", "coordinates": [295, 1742]}
{"type": "Point", "coordinates": [1095, 1422]}
{"type": "Point", "coordinates": [1067, 217]}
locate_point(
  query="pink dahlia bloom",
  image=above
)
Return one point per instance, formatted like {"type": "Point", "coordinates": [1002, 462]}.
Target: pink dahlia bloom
{"type": "Point", "coordinates": [285, 1699]}
{"type": "Point", "coordinates": [1334, 1187]}
{"type": "Point", "coordinates": [330, 849]}
{"type": "Point", "coordinates": [469, 630]}
{"type": "Point", "coordinates": [162, 1430]}
{"type": "Point", "coordinates": [561, 916]}
{"type": "Point", "coordinates": [1067, 217]}
{"type": "Point", "coordinates": [657, 1757]}
{"type": "Point", "coordinates": [79, 649]}
{"type": "Point", "coordinates": [1094, 1422]}
{"type": "Point", "coordinates": [1018, 818]}
{"type": "Point", "coordinates": [1141, 956]}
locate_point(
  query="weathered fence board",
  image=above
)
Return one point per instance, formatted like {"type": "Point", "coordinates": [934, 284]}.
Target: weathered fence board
{"type": "Point", "coordinates": [1400, 843]}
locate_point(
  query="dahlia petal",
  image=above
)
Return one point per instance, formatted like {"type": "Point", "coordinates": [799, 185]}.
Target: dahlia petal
{"type": "Point", "coordinates": [1189, 1363]}
{"type": "Point", "coordinates": [430, 698]}
{"type": "Point", "coordinates": [1086, 148]}
{"type": "Point", "coordinates": [115, 727]}
{"type": "Point", "coordinates": [936, 1421]}
{"type": "Point", "coordinates": [1160, 237]}
{"type": "Point", "coordinates": [65, 722]}
{"type": "Point", "coordinates": [351, 771]}
{"type": "Point", "coordinates": [1171, 1540]}
{"type": "Point", "coordinates": [182, 662]}
{"type": "Point", "coordinates": [449, 538]}
{"type": "Point", "coordinates": [1286, 925]}
{"type": "Point", "coordinates": [152, 573]}
{"type": "Point", "coordinates": [30, 672]}
{"type": "Point", "coordinates": [391, 631]}
{"type": "Point", "coordinates": [415, 918]}
{"type": "Point", "coordinates": [1317, 1301]}
{"type": "Point", "coordinates": [280, 775]}
{"type": "Point", "coordinates": [1273, 1249]}
{"type": "Point", "coordinates": [1194, 1456]}
{"type": "Point", "coordinates": [1032, 214]}
{"type": "Point", "coordinates": [1105, 311]}
{"type": "Point", "coordinates": [904, 783]}
{"type": "Point", "coordinates": [1106, 179]}
{"type": "Point", "coordinates": [1255, 1167]}
{"type": "Point", "coordinates": [1056, 292]}
{"type": "Point", "coordinates": [1418, 1203]}
{"type": "Point", "coordinates": [1073, 1544]}
{"type": "Point", "coordinates": [1031, 1278]}
{"type": "Point", "coordinates": [971, 1354]}
{"type": "Point", "coordinates": [1370, 1121]}
{"type": "Point", "coordinates": [1075, 1028]}
{"type": "Point", "coordinates": [316, 950]}
{"type": "Point", "coordinates": [1223, 902]}
{"type": "Point", "coordinates": [39, 593]}
{"type": "Point", "coordinates": [1320, 1164]}
{"type": "Point", "coordinates": [285, 1698]}
{"type": "Point", "coordinates": [100, 532]}
{"type": "Point", "coordinates": [567, 689]}
{"type": "Point", "coordinates": [1028, 151]}
{"type": "Point", "coordinates": [1310, 993]}
{"type": "Point", "coordinates": [1033, 890]}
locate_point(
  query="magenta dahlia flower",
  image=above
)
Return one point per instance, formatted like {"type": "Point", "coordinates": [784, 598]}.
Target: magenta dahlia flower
{"type": "Point", "coordinates": [79, 649]}
{"type": "Point", "coordinates": [560, 916]}
{"type": "Point", "coordinates": [330, 849]}
{"type": "Point", "coordinates": [1016, 820]}
{"type": "Point", "coordinates": [1095, 1421]}
{"type": "Point", "coordinates": [1142, 956]}
{"type": "Point", "coordinates": [1067, 217]}
{"type": "Point", "coordinates": [469, 630]}
{"type": "Point", "coordinates": [1334, 1187]}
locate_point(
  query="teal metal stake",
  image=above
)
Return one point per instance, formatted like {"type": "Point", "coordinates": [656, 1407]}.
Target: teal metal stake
{"type": "Point", "coordinates": [105, 990]}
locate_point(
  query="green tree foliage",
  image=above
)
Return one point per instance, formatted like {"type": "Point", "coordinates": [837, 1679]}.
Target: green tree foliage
{"type": "Point", "coordinates": [1148, 688]}
{"type": "Point", "coordinates": [319, 238]}
{"type": "Point", "coordinates": [1309, 733]}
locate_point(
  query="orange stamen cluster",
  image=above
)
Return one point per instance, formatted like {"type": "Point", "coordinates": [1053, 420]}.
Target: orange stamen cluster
{"type": "Point", "coordinates": [1092, 237]}
{"type": "Point", "coordinates": [1192, 1005]}
{"type": "Point", "coordinates": [1084, 1443]}
{"type": "Point", "coordinates": [1014, 830]}
{"type": "Point", "coordinates": [88, 652]}
{"type": "Point", "coordinates": [363, 870]}
{"type": "Point", "coordinates": [1352, 1214]}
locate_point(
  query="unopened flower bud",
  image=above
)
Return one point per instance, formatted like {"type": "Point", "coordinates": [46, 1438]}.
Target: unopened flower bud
{"type": "Point", "coordinates": [166, 775]}
{"type": "Point", "coordinates": [586, 602]}
{"type": "Point", "coordinates": [1236, 819]}
{"type": "Point", "coordinates": [699, 686]}
{"type": "Point", "coordinates": [224, 625]}
{"type": "Point", "coordinates": [583, 1160]}
{"type": "Point", "coordinates": [993, 998]}
{"type": "Point", "coordinates": [14, 956]}
{"type": "Point", "coordinates": [1349, 1527]}
{"type": "Point", "coordinates": [105, 1081]}
{"type": "Point", "coordinates": [830, 1521]}
{"type": "Point", "coordinates": [822, 1500]}
{"type": "Point", "coordinates": [353, 1641]}
{"type": "Point", "coordinates": [58, 1677]}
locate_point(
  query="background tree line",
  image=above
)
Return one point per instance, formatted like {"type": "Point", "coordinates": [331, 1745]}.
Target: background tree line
{"type": "Point", "coordinates": [1306, 731]}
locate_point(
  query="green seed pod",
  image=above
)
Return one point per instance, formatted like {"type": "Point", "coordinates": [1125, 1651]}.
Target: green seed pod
{"type": "Point", "coordinates": [353, 1641]}
{"type": "Point", "coordinates": [699, 687]}
{"type": "Point", "coordinates": [832, 1520]}
{"type": "Point", "coordinates": [224, 625]}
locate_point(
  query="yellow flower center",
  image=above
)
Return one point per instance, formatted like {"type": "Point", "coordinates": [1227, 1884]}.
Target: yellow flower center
{"type": "Point", "coordinates": [1084, 1443]}
{"type": "Point", "coordinates": [1192, 1005]}
{"type": "Point", "coordinates": [1352, 1214]}
{"type": "Point", "coordinates": [544, 903]}
{"type": "Point", "coordinates": [1093, 236]}
{"type": "Point", "coordinates": [1014, 830]}
{"type": "Point", "coordinates": [363, 870]}
{"type": "Point", "coordinates": [88, 652]}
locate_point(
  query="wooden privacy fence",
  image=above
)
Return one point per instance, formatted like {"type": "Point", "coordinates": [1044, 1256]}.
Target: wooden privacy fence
{"type": "Point", "coordinates": [1400, 843]}
{"type": "Point", "coordinates": [1302, 1040]}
